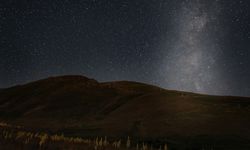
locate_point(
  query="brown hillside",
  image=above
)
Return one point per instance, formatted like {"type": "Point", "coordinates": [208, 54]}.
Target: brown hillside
{"type": "Point", "coordinates": [78, 105]}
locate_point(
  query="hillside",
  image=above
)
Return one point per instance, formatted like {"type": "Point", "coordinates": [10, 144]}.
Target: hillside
{"type": "Point", "coordinates": [80, 106]}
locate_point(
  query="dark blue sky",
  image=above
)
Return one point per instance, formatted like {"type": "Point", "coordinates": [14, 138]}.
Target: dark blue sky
{"type": "Point", "coordinates": [191, 45]}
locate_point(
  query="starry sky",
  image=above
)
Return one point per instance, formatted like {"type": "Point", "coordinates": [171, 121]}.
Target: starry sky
{"type": "Point", "coordinates": [190, 45]}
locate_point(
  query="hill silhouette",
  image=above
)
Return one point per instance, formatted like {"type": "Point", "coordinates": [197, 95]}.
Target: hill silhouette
{"type": "Point", "coordinates": [78, 105]}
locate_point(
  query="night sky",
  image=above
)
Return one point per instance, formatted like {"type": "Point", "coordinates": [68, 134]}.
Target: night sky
{"type": "Point", "coordinates": [192, 45]}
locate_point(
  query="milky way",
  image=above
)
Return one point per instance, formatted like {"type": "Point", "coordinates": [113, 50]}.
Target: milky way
{"type": "Point", "coordinates": [192, 50]}
{"type": "Point", "coordinates": [192, 45]}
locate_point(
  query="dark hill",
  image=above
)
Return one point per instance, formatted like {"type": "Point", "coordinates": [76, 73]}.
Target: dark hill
{"type": "Point", "coordinates": [83, 106]}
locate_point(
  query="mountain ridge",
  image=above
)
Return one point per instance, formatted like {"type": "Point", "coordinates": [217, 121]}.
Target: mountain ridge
{"type": "Point", "coordinates": [82, 106]}
{"type": "Point", "coordinates": [85, 78]}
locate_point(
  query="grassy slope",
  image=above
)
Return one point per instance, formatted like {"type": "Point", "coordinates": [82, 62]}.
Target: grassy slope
{"type": "Point", "coordinates": [82, 106]}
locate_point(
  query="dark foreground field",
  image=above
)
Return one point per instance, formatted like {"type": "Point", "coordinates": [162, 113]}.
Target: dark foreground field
{"type": "Point", "coordinates": [74, 112]}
